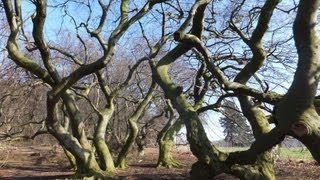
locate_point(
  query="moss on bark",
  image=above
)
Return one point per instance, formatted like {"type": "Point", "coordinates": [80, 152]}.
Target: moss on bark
{"type": "Point", "coordinates": [134, 130]}
{"type": "Point", "coordinates": [121, 162]}
{"type": "Point", "coordinates": [165, 141]}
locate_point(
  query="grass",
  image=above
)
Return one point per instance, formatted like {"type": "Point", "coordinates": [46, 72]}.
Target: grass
{"type": "Point", "coordinates": [294, 153]}
{"type": "Point", "coordinates": [284, 152]}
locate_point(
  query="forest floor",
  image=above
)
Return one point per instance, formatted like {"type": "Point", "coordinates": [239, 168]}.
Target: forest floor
{"type": "Point", "coordinates": [49, 162]}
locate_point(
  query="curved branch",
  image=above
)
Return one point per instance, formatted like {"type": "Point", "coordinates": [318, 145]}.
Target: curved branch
{"type": "Point", "coordinates": [261, 144]}
{"type": "Point", "coordinates": [193, 41]}
{"type": "Point", "coordinates": [13, 49]}
{"type": "Point", "coordinates": [38, 27]}
{"type": "Point", "coordinates": [84, 70]}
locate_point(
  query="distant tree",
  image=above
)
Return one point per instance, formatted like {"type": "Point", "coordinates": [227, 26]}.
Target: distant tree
{"type": "Point", "coordinates": [236, 130]}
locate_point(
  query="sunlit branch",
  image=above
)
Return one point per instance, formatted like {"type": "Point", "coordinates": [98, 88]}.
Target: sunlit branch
{"type": "Point", "coordinates": [191, 40]}
{"type": "Point", "coordinates": [13, 49]}
{"type": "Point", "coordinates": [38, 27]}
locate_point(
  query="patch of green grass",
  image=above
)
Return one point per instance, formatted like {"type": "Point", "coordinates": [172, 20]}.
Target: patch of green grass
{"type": "Point", "coordinates": [294, 153]}
{"type": "Point", "coordinates": [284, 153]}
{"type": "Point", "coordinates": [232, 149]}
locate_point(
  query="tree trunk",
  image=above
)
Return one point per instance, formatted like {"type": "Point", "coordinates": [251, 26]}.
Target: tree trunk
{"type": "Point", "coordinates": [296, 114]}
{"type": "Point", "coordinates": [134, 130]}
{"type": "Point", "coordinates": [86, 164]}
{"type": "Point", "coordinates": [105, 157]}
{"type": "Point", "coordinates": [105, 167]}
{"type": "Point", "coordinates": [264, 166]}
{"type": "Point", "coordinates": [76, 120]}
{"type": "Point", "coordinates": [140, 141]}
{"type": "Point", "coordinates": [71, 159]}
{"type": "Point", "coordinates": [78, 146]}
{"type": "Point", "coordinates": [296, 111]}
{"type": "Point", "coordinates": [165, 141]}
{"type": "Point", "coordinates": [122, 163]}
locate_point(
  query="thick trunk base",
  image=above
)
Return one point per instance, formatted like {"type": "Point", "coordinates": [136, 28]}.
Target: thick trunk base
{"type": "Point", "coordinates": [200, 170]}
{"type": "Point", "coordinates": [122, 164]}
{"type": "Point", "coordinates": [169, 163]}
{"type": "Point", "coordinates": [263, 169]}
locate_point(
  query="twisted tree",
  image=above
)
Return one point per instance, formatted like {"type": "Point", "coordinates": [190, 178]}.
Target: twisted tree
{"type": "Point", "coordinates": [302, 124]}
{"type": "Point", "coordinates": [72, 136]}
{"type": "Point", "coordinates": [230, 55]}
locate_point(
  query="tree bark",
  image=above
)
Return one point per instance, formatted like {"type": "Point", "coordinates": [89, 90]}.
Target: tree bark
{"type": "Point", "coordinates": [85, 158]}
{"type": "Point", "coordinates": [165, 142]}
{"type": "Point", "coordinates": [105, 157]}
{"type": "Point", "coordinates": [133, 133]}
{"type": "Point", "coordinates": [295, 113]}
{"type": "Point", "coordinates": [211, 161]}
{"type": "Point", "coordinates": [264, 167]}
{"type": "Point", "coordinates": [122, 158]}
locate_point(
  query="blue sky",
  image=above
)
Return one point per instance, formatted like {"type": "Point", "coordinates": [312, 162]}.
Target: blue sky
{"type": "Point", "coordinates": [57, 22]}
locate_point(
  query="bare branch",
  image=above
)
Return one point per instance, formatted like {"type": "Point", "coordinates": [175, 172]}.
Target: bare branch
{"type": "Point", "coordinates": [38, 26]}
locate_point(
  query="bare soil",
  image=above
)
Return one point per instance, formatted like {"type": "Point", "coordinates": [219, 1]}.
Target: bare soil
{"type": "Point", "coordinates": [49, 162]}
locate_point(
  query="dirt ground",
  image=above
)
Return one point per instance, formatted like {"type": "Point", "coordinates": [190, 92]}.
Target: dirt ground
{"type": "Point", "coordinates": [49, 162]}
